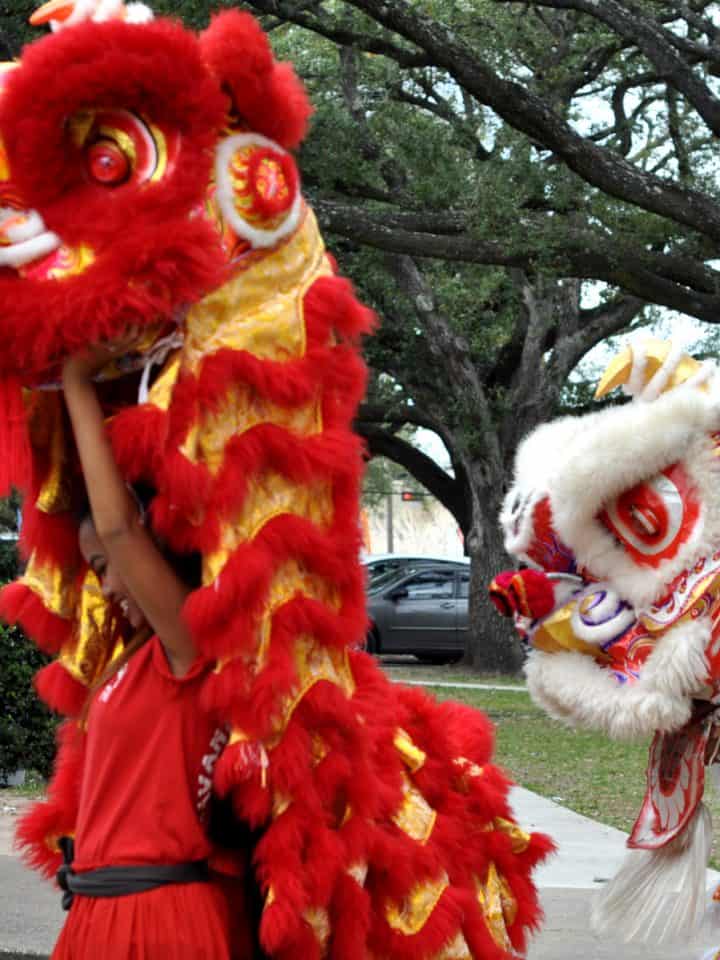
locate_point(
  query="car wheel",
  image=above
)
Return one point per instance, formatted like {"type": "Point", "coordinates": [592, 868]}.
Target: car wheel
{"type": "Point", "coordinates": [372, 641]}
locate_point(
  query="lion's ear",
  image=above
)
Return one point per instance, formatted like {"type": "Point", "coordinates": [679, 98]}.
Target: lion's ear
{"type": "Point", "coordinates": [267, 95]}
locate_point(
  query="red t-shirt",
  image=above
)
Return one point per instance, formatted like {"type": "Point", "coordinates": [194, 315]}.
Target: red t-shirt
{"type": "Point", "coordinates": [148, 767]}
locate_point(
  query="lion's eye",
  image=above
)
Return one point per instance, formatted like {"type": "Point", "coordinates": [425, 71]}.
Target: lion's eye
{"type": "Point", "coordinates": [119, 147]}
{"type": "Point", "coordinates": [652, 520]}
{"type": "Point", "coordinates": [644, 520]}
{"type": "Point", "coordinates": [107, 164]}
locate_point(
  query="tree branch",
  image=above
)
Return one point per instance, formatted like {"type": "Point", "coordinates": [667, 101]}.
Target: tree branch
{"type": "Point", "coordinates": [603, 323]}
{"type": "Point", "coordinates": [419, 465]}
{"type": "Point", "coordinates": [531, 115]}
{"type": "Point", "coordinates": [453, 352]}
{"type": "Point", "coordinates": [658, 45]}
{"type": "Point", "coordinates": [324, 27]}
{"type": "Point", "coordinates": [672, 280]}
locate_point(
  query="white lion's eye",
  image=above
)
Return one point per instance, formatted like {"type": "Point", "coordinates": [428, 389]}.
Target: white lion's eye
{"type": "Point", "coordinates": [645, 521]}
{"type": "Point", "coordinates": [653, 519]}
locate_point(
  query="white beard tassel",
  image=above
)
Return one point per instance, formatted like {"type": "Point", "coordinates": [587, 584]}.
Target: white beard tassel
{"type": "Point", "coordinates": [659, 895]}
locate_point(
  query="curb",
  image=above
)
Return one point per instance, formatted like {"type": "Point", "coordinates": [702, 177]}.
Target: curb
{"type": "Point", "coordinates": [4, 955]}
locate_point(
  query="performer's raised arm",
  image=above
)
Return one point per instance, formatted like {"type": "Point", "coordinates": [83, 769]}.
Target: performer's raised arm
{"type": "Point", "coordinates": [114, 540]}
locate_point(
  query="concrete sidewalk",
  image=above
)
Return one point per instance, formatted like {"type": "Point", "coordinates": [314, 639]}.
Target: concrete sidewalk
{"type": "Point", "coordinates": [589, 853]}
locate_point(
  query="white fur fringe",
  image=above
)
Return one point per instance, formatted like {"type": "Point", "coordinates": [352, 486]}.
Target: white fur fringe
{"type": "Point", "coordinates": [659, 895]}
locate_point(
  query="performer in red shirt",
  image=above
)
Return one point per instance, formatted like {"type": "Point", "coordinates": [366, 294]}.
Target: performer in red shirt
{"type": "Point", "coordinates": [138, 876]}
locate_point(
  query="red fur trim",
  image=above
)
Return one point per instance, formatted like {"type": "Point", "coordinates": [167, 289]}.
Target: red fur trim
{"type": "Point", "coordinates": [238, 763]}
{"type": "Point", "coordinates": [60, 691]}
{"type": "Point", "coordinates": [51, 536]}
{"type": "Point", "coordinates": [42, 821]}
{"type": "Point", "coordinates": [448, 727]}
{"type": "Point", "coordinates": [350, 918]}
{"type": "Point", "coordinates": [222, 613]}
{"type": "Point", "coordinates": [442, 925]}
{"type": "Point", "coordinates": [37, 831]}
{"type": "Point", "coordinates": [269, 448]}
{"type": "Point", "coordinates": [284, 383]}
{"type": "Point", "coordinates": [279, 865]}
{"type": "Point", "coordinates": [345, 386]}
{"type": "Point", "coordinates": [226, 685]}
{"type": "Point", "coordinates": [288, 109]}
{"type": "Point", "coordinates": [266, 94]}
{"type": "Point", "coordinates": [331, 303]}
{"type": "Point", "coordinates": [138, 280]}
{"type": "Point", "coordinates": [14, 438]}
{"type": "Point", "coordinates": [253, 803]}
{"type": "Point", "coordinates": [179, 513]}
{"type": "Point", "coordinates": [184, 411]}
{"type": "Point", "coordinates": [138, 437]}
{"type": "Point", "coordinates": [18, 604]}
{"type": "Point", "coordinates": [186, 484]}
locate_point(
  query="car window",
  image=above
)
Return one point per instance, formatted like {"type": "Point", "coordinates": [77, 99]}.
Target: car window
{"type": "Point", "coordinates": [383, 568]}
{"type": "Point", "coordinates": [384, 579]}
{"type": "Point", "coordinates": [464, 586]}
{"type": "Point", "coordinates": [394, 568]}
{"type": "Point", "coordinates": [430, 585]}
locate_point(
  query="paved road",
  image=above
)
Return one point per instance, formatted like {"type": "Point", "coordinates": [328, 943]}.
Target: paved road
{"type": "Point", "coordinates": [30, 912]}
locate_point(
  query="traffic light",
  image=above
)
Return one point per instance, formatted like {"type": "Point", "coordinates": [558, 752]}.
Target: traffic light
{"type": "Point", "coordinates": [408, 495]}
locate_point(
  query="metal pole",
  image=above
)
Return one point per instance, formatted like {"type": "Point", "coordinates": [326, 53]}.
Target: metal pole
{"type": "Point", "coordinates": [389, 520]}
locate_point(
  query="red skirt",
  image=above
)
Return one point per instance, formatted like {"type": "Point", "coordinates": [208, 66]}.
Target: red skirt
{"type": "Point", "coordinates": [189, 921]}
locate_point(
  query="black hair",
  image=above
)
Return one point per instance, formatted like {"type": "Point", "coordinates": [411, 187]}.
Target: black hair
{"type": "Point", "coordinates": [186, 566]}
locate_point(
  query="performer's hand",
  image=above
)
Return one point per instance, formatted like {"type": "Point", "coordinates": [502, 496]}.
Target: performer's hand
{"type": "Point", "coordinates": [524, 593]}
{"type": "Point", "coordinates": [89, 362]}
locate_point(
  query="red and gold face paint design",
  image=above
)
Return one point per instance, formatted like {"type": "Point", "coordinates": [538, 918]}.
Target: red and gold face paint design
{"type": "Point", "coordinates": [546, 549]}
{"type": "Point", "coordinates": [265, 184]}
{"type": "Point", "coordinates": [653, 519]}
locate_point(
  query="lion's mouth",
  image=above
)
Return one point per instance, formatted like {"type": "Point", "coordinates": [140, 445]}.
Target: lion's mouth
{"type": "Point", "coordinates": [24, 238]}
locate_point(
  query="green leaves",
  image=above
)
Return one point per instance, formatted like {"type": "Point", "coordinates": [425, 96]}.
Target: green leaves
{"type": "Point", "coordinates": [27, 729]}
{"type": "Point", "coordinates": [15, 31]}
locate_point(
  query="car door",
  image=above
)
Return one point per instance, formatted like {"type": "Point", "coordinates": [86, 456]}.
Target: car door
{"type": "Point", "coordinates": [423, 613]}
{"type": "Point", "coordinates": [461, 610]}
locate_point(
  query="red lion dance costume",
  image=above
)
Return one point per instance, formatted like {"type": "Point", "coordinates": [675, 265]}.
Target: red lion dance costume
{"type": "Point", "coordinates": [146, 182]}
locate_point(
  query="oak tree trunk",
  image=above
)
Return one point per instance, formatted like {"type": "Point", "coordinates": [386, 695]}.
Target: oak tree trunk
{"type": "Point", "coordinates": [492, 644]}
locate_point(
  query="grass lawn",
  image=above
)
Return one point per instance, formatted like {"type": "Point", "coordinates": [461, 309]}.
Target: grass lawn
{"type": "Point", "coordinates": [34, 787]}
{"type": "Point", "coordinates": [586, 771]}
{"type": "Point", "coordinates": [451, 673]}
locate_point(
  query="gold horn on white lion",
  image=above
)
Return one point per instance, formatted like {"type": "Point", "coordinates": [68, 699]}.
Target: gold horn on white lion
{"type": "Point", "coordinates": [652, 367]}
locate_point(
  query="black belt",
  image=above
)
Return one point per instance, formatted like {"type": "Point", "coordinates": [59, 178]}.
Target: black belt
{"type": "Point", "coordinates": [121, 881]}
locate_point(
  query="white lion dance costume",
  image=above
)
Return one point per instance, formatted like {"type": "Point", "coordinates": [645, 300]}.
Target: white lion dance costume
{"type": "Point", "coordinates": [617, 515]}
{"type": "Point", "coordinates": [146, 180]}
